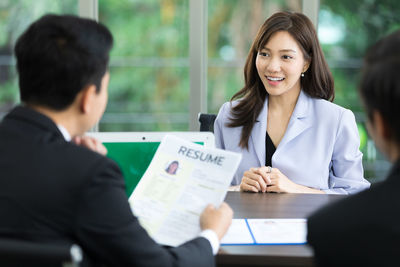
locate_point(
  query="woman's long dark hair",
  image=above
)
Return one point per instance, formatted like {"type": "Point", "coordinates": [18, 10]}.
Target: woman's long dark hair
{"type": "Point", "coordinates": [317, 81]}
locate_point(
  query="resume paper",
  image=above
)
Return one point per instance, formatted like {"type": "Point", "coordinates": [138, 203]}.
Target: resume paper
{"type": "Point", "coordinates": [181, 180]}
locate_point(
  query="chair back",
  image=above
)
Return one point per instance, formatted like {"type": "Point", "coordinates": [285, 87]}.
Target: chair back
{"type": "Point", "coordinates": [15, 253]}
{"type": "Point", "coordinates": [207, 122]}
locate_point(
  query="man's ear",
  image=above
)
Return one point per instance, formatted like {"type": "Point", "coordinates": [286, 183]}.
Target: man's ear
{"type": "Point", "coordinates": [87, 98]}
{"type": "Point", "coordinates": [381, 126]}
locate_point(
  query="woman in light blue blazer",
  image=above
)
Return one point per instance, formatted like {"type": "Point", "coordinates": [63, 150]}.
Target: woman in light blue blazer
{"type": "Point", "coordinates": [292, 137]}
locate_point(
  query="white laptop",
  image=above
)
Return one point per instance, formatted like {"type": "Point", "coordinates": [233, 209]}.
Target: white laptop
{"type": "Point", "coordinates": [133, 151]}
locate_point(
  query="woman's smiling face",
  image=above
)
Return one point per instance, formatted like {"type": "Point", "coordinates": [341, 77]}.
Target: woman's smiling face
{"type": "Point", "coordinates": [280, 64]}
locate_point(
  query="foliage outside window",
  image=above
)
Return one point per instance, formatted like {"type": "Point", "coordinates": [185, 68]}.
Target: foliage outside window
{"type": "Point", "coordinates": [346, 29]}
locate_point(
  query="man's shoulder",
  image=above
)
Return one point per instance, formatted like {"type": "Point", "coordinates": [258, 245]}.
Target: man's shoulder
{"type": "Point", "coordinates": [351, 205]}
{"type": "Point", "coordinates": [354, 214]}
{"type": "Point", "coordinates": [70, 163]}
{"type": "Point", "coordinates": [359, 229]}
{"type": "Point", "coordinates": [84, 158]}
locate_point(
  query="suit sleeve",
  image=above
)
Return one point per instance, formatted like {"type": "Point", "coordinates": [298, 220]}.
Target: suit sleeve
{"type": "Point", "coordinates": [109, 232]}
{"type": "Point", "coordinates": [346, 173]}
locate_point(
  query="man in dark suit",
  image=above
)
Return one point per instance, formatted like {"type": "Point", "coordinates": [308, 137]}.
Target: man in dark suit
{"type": "Point", "coordinates": [363, 230]}
{"type": "Point", "coordinates": [56, 191]}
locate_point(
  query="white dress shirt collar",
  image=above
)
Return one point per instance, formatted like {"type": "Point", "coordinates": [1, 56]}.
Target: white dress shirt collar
{"type": "Point", "coordinates": [64, 132]}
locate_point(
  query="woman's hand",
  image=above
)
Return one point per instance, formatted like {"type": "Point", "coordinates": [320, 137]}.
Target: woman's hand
{"type": "Point", "coordinates": [280, 183]}
{"type": "Point", "coordinates": [256, 180]}
{"type": "Point", "coordinates": [267, 179]}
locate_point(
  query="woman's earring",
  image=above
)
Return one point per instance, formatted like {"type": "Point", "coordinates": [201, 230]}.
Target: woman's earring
{"type": "Point", "coordinates": [302, 74]}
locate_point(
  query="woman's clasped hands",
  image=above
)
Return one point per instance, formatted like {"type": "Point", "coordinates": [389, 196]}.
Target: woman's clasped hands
{"type": "Point", "coordinates": [267, 179]}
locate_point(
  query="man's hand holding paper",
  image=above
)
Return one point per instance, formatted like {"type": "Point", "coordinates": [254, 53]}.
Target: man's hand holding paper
{"type": "Point", "coordinates": [217, 220]}
{"type": "Point", "coordinates": [173, 205]}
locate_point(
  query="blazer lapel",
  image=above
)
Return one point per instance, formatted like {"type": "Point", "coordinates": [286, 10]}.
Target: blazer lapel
{"type": "Point", "coordinates": [298, 122]}
{"type": "Point", "coordinates": [259, 132]}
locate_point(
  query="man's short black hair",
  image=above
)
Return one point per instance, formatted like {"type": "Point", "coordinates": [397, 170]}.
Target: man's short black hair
{"type": "Point", "coordinates": [380, 83]}
{"type": "Point", "coordinates": [58, 56]}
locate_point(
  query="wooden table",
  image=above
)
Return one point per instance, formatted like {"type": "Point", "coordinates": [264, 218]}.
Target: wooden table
{"type": "Point", "coordinates": [271, 205]}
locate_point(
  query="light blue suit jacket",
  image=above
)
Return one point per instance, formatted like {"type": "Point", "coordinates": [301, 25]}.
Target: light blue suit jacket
{"type": "Point", "coordinates": [320, 148]}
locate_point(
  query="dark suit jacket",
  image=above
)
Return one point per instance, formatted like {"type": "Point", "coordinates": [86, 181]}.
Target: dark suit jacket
{"type": "Point", "coordinates": [361, 230]}
{"type": "Point", "coordinates": [54, 191]}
